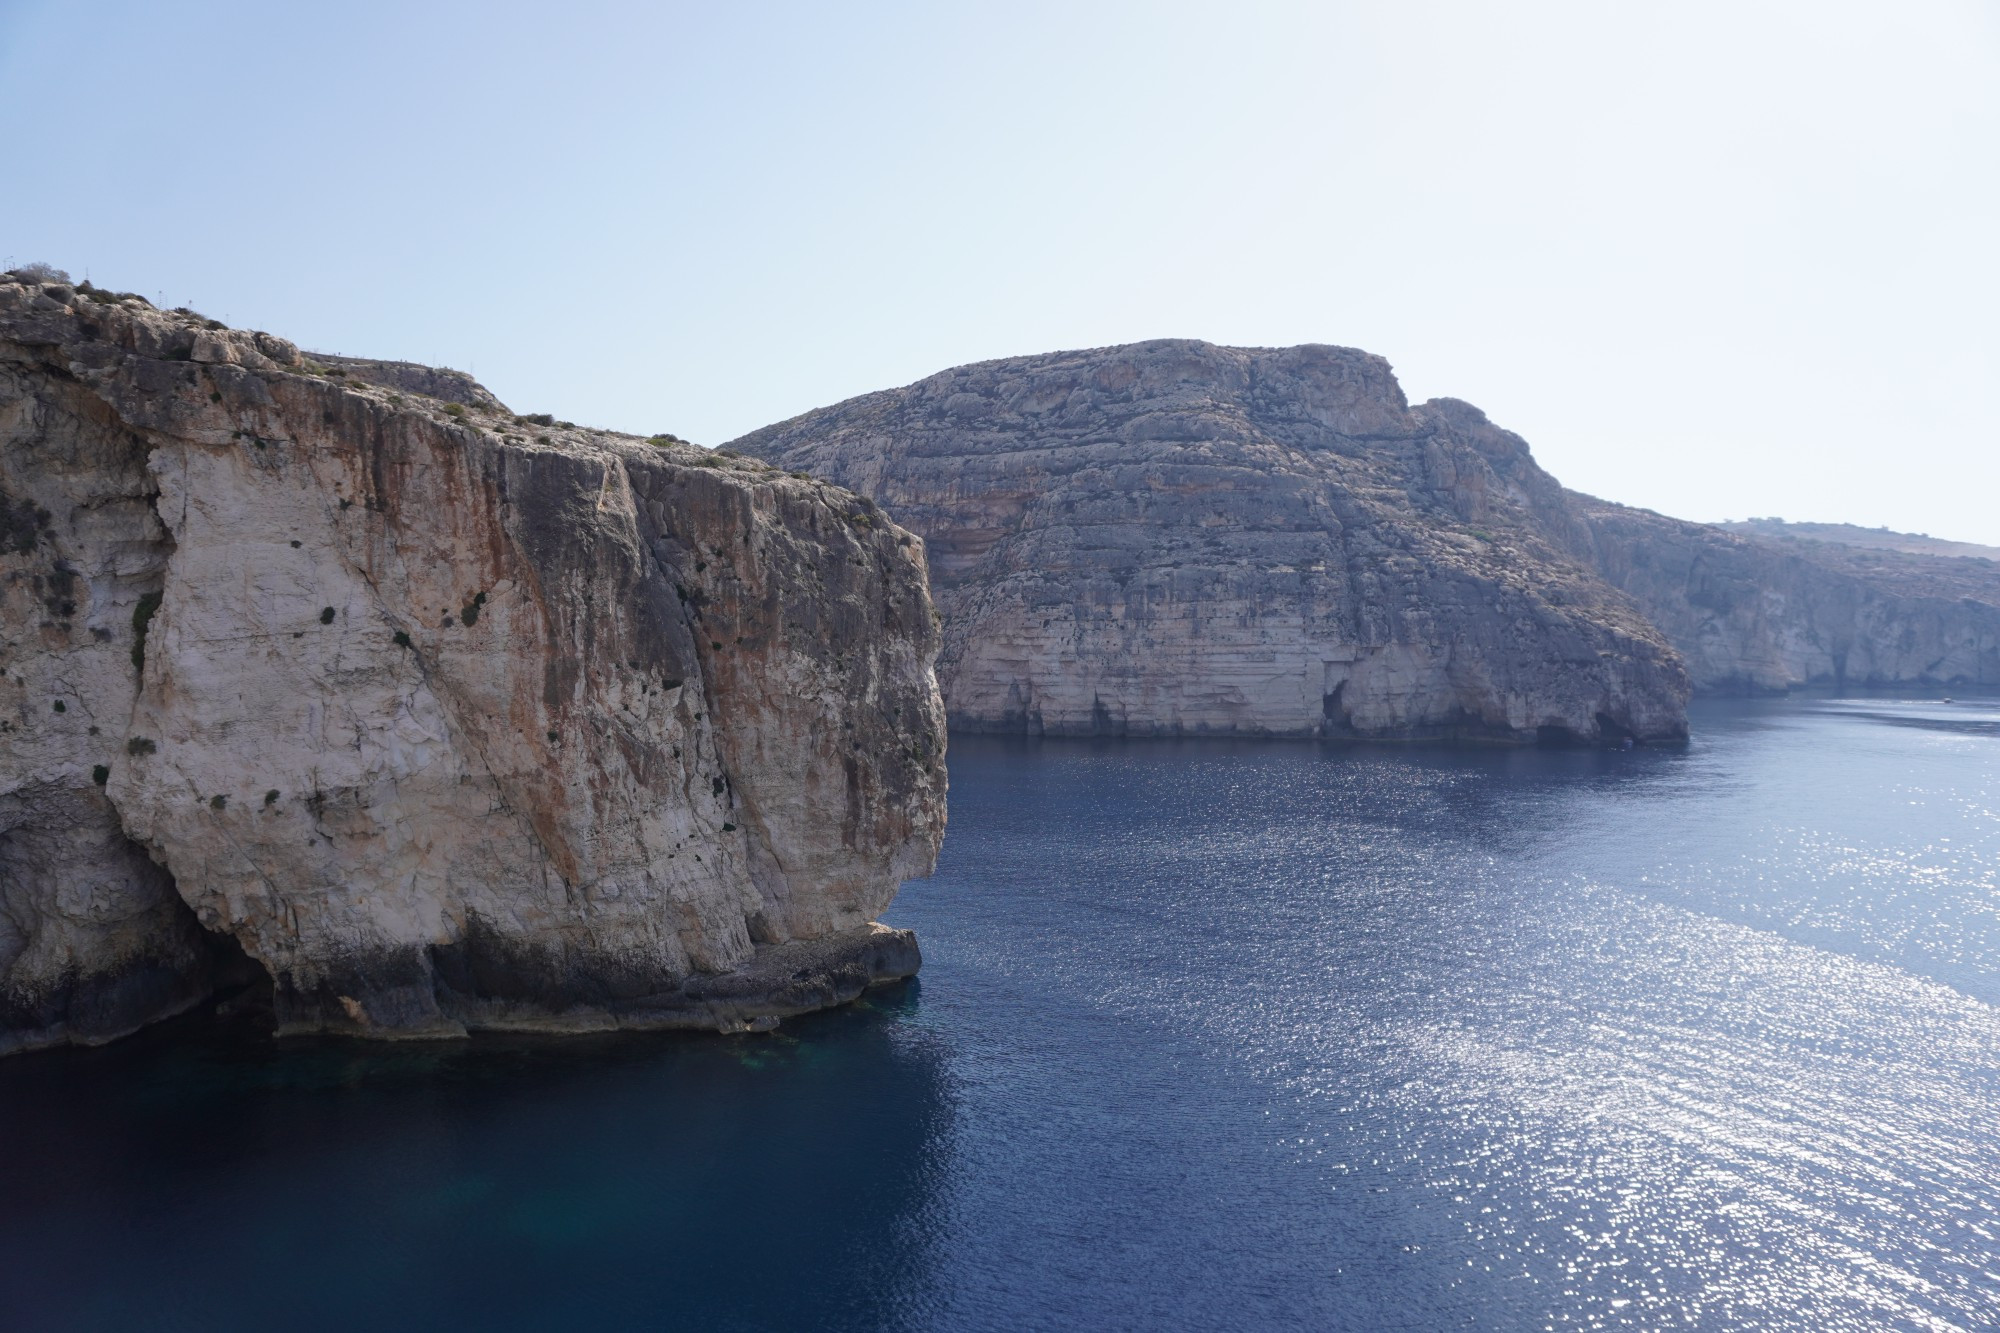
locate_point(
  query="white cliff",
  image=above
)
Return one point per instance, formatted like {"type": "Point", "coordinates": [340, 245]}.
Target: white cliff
{"type": "Point", "coordinates": [446, 718]}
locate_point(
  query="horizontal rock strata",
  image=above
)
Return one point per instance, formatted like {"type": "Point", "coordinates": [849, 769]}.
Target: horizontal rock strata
{"type": "Point", "coordinates": [1752, 613]}
{"type": "Point", "coordinates": [1178, 538]}
{"type": "Point", "coordinates": [445, 719]}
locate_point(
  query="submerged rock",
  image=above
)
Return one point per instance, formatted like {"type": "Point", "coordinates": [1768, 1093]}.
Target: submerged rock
{"type": "Point", "coordinates": [445, 718]}
{"type": "Point", "coordinates": [1180, 538]}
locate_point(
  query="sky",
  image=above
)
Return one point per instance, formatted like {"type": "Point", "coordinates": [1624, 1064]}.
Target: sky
{"type": "Point", "coordinates": [1719, 260]}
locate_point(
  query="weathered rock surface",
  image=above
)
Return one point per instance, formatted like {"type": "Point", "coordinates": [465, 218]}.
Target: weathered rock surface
{"type": "Point", "coordinates": [445, 385]}
{"type": "Point", "coordinates": [1180, 538]}
{"type": "Point", "coordinates": [1755, 611]}
{"type": "Point", "coordinates": [447, 721]}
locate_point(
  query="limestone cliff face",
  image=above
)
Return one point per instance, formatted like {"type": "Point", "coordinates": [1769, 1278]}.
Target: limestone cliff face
{"type": "Point", "coordinates": [1180, 538]}
{"type": "Point", "coordinates": [93, 938]}
{"type": "Point", "coordinates": [1756, 613]}
{"type": "Point", "coordinates": [446, 720]}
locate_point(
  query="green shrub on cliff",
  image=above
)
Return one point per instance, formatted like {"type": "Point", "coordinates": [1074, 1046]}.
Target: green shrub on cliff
{"type": "Point", "coordinates": [142, 616]}
{"type": "Point", "coordinates": [22, 523]}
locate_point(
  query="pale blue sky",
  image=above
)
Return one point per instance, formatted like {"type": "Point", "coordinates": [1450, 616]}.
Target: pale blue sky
{"type": "Point", "coordinates": [1717, 259]}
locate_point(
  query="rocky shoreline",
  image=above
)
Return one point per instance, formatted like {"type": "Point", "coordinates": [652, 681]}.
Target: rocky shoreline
{"type": "Point", "coordinates": [335, 686]}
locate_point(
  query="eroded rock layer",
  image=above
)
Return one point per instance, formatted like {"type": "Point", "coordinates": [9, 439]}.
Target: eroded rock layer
{"type": "Point", "coordinates": [1180, 538]}
{"type": "Point", "coordinates": [446, 719]}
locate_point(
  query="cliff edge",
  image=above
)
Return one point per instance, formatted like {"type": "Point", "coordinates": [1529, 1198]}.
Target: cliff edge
{"type": "Point", "coordinates": [435, 717]}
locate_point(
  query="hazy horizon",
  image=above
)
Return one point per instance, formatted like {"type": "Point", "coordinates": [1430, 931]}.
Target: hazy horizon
{"type": "Point", "coordinates": [1722, 262]}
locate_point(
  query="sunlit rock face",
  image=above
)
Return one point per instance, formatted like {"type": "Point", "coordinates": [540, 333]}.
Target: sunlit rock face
{"type": "Point", "coordinates": [444, 719]}
{"type": "Point", "coordinates": [1179, 538]}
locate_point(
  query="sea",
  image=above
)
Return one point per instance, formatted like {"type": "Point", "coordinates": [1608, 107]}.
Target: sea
{"type": "Point", "coordinates": [1209, 1035]}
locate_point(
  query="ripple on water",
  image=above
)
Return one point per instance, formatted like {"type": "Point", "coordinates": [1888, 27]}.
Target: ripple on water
{"type": "Point", "coordinates": [1614, 1039]}
{"type": "Point", "coordinates": [1209, 1035]}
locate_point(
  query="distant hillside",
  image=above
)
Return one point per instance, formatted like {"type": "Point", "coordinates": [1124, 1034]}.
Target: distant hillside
{"type": "Point", "coordinates": [1754, 612]}
{"type": "Point", "coordinates": [1868, 539]}
{"type": "Point", "coordinates": [1177, 538]}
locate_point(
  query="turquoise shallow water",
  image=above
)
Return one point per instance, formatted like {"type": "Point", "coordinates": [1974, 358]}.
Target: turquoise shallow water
{"type": "Point", "coordinates": [1209, 1035]}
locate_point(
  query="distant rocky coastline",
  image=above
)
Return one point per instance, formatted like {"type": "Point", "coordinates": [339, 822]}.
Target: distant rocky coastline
{"type": "Point", "coordinates": [1178, 538]}
{"type": "Point", "coordinates": [1751, 613]}
{"type": "Point", "coordinates": [335, 679]}
{"type": "Point", "coordinates": [1860, 538]}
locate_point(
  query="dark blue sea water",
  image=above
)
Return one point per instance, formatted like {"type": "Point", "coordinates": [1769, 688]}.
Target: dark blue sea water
{"type": "Point", "coordinates": [1210, 1035]}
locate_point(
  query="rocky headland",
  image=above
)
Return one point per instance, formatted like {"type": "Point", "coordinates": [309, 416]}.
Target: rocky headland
{"type": "Point", "coordinates": [334, 675]}
{"type": "Point", "coordinates": [1179, 538]}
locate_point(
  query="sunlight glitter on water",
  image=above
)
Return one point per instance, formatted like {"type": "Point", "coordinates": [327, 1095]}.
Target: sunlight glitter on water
{"type": "Point", "coordinates": [1208, 1035]}
{"type": "Point", "coordinates": [1589, 1022]}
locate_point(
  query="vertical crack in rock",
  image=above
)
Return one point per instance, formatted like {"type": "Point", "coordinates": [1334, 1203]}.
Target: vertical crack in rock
{"type": "Point", "coordinates": [94, 940]}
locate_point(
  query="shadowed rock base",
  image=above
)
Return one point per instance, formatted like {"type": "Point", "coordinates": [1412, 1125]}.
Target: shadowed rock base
{"type": "Point", "coordinates": [523, 994]}
{"type": "Point", "coordinates": [89, 1010]}
{"type": "Point", "coordinates": [783, 980]}
{"type": "Point", "coordinates": [94, 941]}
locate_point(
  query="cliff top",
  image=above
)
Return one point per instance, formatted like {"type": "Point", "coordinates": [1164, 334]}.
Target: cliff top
{"type": "Point", "coordinates": [1890, 568]}
{"type": "Point", "coordinates": [44, 307]}
{"type": "Point", "coordinates": [445, 385]}
{"type": "Point", "coordinates": [1299, 395]}
{"type": "Point", "coordinates": [1867, 539]}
